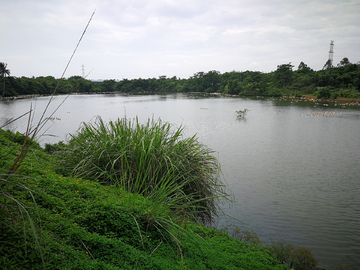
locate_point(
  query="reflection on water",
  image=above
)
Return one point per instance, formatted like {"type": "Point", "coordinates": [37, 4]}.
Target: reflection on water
{"type": "Point", "coordinates": [292, 165]}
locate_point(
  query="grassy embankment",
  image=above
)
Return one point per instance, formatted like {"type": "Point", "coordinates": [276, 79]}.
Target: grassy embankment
{"type": "Point", "coordinates": [122, 196]}
{"type": "Point", "coordinates": [58, 222]}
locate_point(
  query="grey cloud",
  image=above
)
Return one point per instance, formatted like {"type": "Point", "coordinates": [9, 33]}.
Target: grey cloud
{"type": "Point", "coordinates": [143, 38]}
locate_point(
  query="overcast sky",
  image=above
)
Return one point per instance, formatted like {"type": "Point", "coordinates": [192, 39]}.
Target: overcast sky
{"type": "Point", "coordinates": [146, 39]}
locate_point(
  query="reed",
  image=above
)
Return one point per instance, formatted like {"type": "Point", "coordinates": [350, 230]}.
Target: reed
{"type": "Point", "coordinates": [13, 211]}
{"type": "Point", "coordinates": [151, 159]}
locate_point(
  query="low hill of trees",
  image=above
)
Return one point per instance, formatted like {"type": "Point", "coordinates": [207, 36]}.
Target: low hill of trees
{"type": "Point", "coordinates": [332, 82]}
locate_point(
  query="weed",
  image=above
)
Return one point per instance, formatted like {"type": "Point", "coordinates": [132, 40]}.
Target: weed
{"type": "Point", "coordinates": [151, 160]}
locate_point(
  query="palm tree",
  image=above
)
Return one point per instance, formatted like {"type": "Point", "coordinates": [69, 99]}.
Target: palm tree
{"type": "Point", "coordinates": [3, 73]}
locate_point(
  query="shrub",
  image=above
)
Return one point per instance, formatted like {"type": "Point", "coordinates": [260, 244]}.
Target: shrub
{"type": "Point", "coordinates": [53, 148]}
{"type": "Point", "coordinates": [282, 251]}
{"type": "Point", "coordinates": [299, 259]}
{"type": "Point", "coordinates": [323, 92]}
{"type": "Point", "coordinates": [19, 138]}
{"type": "Point", "coordinates": [149, 159]}
{"type": "Point", "coordinates": [247, 236]}
{"type": "Point", "coordinates": [303, 259]}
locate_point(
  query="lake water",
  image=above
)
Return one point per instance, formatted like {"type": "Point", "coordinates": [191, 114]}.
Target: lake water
{"type": "Point", "coordinates": [293, 166]}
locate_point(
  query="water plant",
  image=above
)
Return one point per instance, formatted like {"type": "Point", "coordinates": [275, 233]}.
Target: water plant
{"type": "Point", "coordinates": [241, 112]}
{"type": "Point", "coordinates": [151, 159]}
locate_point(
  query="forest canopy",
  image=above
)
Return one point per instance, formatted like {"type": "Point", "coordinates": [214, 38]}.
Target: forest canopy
{"type": "Point", "coordinates": [342, 80]}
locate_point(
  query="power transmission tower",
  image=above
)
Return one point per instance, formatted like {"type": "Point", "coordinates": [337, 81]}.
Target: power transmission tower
{"type": "Point", "coordinates": [331, 52]}
{"type": "Point", "coordinates": [83, 71]}
{"type": "Point", "coordinates": [329, 62]}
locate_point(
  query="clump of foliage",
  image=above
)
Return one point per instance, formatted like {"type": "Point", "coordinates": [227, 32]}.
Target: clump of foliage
{"type": "Point", "coordinates": [282, 250]}
{"type": "Point", "coordinates": [299, 259]}
{"type": "Point", "coordinates": [243, 235]}
{"type": "Point", "coordinates": [149, 159]}
{"type": "Point", "coordinates": [247, 236]}
{"type": "Point", "coordinates": [303, 259]}
{"type": "Point", "coordinates": [53, 148]}
{"type": "Point", "coordinates": [343, 80]}
{"type": "Point", "coordinates": [323, 92]}
{"type": "Point", "coordinates": [20, 138]}
{"type": "Point", "coordinates": [241, 112]}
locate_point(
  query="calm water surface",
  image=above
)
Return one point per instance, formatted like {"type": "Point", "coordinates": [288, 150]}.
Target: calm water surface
{"type": "Point", "coordinates": [293, 168]}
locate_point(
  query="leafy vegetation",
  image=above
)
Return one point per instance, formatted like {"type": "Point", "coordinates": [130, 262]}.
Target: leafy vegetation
{"type": "Point", "coordinates": [241, 112]}
{"type": "Point", "coordinates": [81, 224]}
{"type": "Point", "coordinates": [342, 81]}
{"type": "Point", "coordinates": [150, 159]}
{"type": "Point", "coordinates": [3, 73]}
{"type": "Point", "coordinates": [300, 258]}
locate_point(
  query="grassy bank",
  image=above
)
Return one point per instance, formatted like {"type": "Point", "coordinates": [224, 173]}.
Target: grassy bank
{"type": "Point", "coordinates": [57, 222]}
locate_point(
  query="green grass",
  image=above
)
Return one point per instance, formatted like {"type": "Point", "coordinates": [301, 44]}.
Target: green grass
{"type": "Point", "coordinates": [82, 224]}
{"type": "Point", "coordinates": [152, 159]}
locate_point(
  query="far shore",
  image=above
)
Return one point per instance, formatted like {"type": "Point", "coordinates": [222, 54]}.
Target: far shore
{"type": "Point", "coordinates": [39, 95]}
{"type": "Point", "coordinates": [339, 99]}
{"type": "Point", "coordinates": [308, 97]}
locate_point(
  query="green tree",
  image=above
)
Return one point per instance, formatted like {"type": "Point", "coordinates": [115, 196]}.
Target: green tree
{"type": "Point", "coordinates": [108, 86]}
{"type": "Point", "coordinates": [344, 62]}
{"type": "Point", "coordinates": [197, 82]}
{"type": "Point", "coordinates": [323, 92]}
{"type": "Point", "coordinates": [283, 75]}
{"type": "Point", "coordinates": [328, 65]}
{"type": "Point", "coordinates": [3, 72]}
{"type": "Point", "coordinates": [233, 87]}
{"type": "Point", "coordinates": [212, 81]}
{"type": "Point", "coordinates": [303, 68]}
{"type": "Point", "coordinates": [79, 84]}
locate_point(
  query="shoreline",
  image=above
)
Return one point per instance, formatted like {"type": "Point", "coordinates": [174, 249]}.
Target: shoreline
{"type": "Point", "coordinates": [42, 95]}
{"type": "Point", "coordinates": [341, 99]}
{"type": "Point", "coordinates": [353, 101]}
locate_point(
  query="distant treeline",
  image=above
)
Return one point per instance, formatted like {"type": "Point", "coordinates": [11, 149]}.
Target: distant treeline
{"type": "Point", "coordinates": [331, 82]}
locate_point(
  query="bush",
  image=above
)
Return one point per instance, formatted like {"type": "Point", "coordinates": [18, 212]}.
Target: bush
{"type": "Point", "coordinates": [20, 139]}
{"type": "Point", "coordinates": [323, 92]}
{"type": "Point", "coordinates": [151, 160]}
{"type": "Point", "coordinates": [303, 259]}
{"type": "Point", "coordinates": [247, 236]}
{"type": "Point", "coordinates": [282, 251]}
{"type": "Point", "coordinates": [53, 148]}
{"type": "Point", "coordinates": [299, 259]}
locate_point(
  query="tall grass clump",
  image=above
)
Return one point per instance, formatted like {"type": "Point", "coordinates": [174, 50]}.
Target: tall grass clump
{"type": "Point", "coordinates": [151, 159]}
